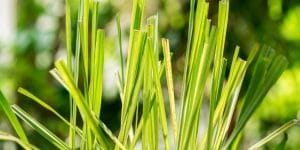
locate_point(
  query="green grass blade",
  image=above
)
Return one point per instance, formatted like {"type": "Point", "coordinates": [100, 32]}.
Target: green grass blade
{"type": "Point", "coordinates": [137, 14]}
{"type": "Point", "coordinates": [46, 106]}
{"type": "Point", "coordinates": [150, 128]}
{"type": "Point", "coordinates": [227, 105]}
{"type": "Point", "coordinates": [55, 74]}
{"type": "Point", "coordinates": [229, 100]}
{"type": "Point", "coordinates": [75, 69]}
{"type": "Point", "coordinates": [196, 48]}
{"type": "Point", "coordinates": [199, 35]}
{"type": "Point", "coordinates": [136, 23]}
{"type": "Point", "coordinates": [153, 33]}
{"type": "Point", "coordinates": [12, 118]}
{"type": "Point", "coordinates": [84, 38]}
{"type": "Point", "coordinates": [82, 104]}
{"type": "Point", "coordinates": [217, 69]}
{"type": "Point", "coordinates": [131, 90]}
{"type": "Point", "coordinates": [121, 51]}
{"type": "Point", "coordinates": [118, 76]}
{"type": "Point", "coordinates": [95, 8]}
{"type": "Point", "coordinates": [131, 111]}
{"type": "Point", "coordinates": [111, 135]}
{"type": "Point", "coordinates": [213, 103]}
{"type": "Point", "coordinates": [168, 66]}
{"type": "Point", "coordinates": [147, 90]}
{"type": "Point", "coordinates": [267, 70]}
{"type": "Point", "coordinates": [68, 27]}
{"type": "Point", "coordinates": [160, 99]}
{"type": "Point", "coordinates": [95, 91]}
{"type": "Point", "coordinates": [133, 63]}
{"type": "Point", "coordinates": [42, 130]}
{"type": "Point", "coordinates": [23, 144]}
{"type": "Point", "coordinates": [235, 144]}
{"type": "Point", "coordinates": [188, 49]}
{"type": "Point", "coordinates": [275, 133]}
{"type": "Point", "coordinates": [139, 130]}
{"type": "Point", "coordinates": [222, 27]}
{"type": "Point", "coordinates": [199, 75]}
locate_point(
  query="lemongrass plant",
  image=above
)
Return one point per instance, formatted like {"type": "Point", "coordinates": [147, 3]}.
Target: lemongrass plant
{"type": "Point", "coordinates": [228, 111]}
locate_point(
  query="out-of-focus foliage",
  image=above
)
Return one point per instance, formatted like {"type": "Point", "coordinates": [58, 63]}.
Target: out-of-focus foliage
{"type": "Point", "coordinates": [40, 35]}
{"type": "Point", "coordinates": [290, 24]}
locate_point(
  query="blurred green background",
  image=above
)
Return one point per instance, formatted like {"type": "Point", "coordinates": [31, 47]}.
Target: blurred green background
{"type": "Point", "coordinates": [32, 38]}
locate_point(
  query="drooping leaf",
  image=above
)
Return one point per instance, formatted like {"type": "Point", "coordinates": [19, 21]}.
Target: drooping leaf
{"type": "Point", "coordinates": [41, 129]}
{"type": "Point", "coordinates": [12, 118]}
{"type": "Point", "coordinates": [23, 144]}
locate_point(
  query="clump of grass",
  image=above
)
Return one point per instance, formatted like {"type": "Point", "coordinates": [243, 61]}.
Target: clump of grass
{"type": "Point", "coordinates": [228, 111]}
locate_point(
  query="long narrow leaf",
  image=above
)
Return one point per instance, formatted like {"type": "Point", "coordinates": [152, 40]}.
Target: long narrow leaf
{"type": "Point", "coordinates": [81, 104]}
{"type": "Point", "coordinates": [46, 106]}
{"type": "Point", "coordinates": [23, 144]}
{"type": "Point", "coordinates": [275, 133]}
{"type": "Point", "coordinates": [12, 118]}
{"type": "Point", "coordinates": [42, 130]}
{"type": "Point", "coordinates": [167, 55]}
